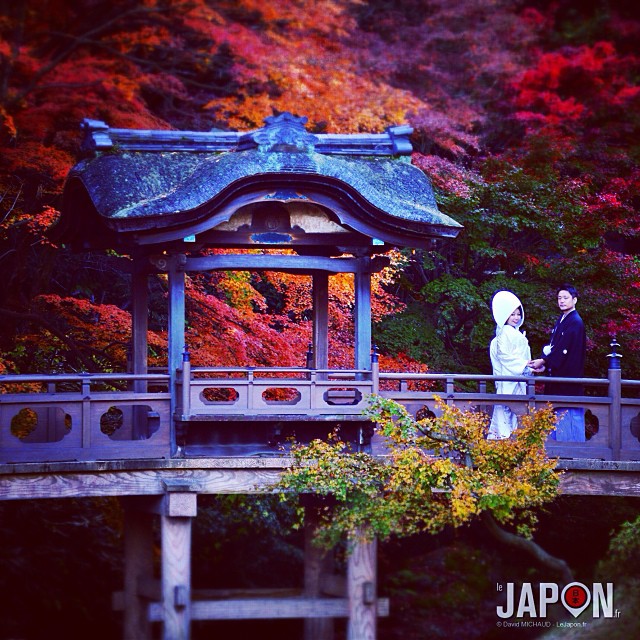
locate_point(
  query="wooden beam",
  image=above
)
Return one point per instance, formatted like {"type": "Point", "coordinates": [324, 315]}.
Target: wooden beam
{"type": "Point", "coordinates": [268, 609]}
{"type": "Point", "coordinates": [241, 475]}
{"type": "Point", "coordinates": [131, 483]}
{"type": "Point", "coordinates": [272, 262]}
{"type": "Point", "coordinates": [600, 483]}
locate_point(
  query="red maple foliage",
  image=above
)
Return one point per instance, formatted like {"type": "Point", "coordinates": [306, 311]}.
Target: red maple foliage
{"type": "Point", "coordinates": [525, 126]}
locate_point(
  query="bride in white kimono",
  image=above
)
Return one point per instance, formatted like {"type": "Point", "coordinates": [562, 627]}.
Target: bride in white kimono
{"type": "Point", "coordinates": [510, 354]}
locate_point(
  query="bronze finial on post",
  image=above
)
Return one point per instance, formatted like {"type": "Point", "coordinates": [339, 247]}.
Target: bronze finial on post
{"type": "Point", "coordinates": [186, 381]}
{"type": "Point", "coordinates": [375, 370]}
{"type": "Point", "coordinates": [615, 394]}
{"type": "Point", "coordinates": [614, 362]}
{"type": "Point", "coordinates": [309, 360]}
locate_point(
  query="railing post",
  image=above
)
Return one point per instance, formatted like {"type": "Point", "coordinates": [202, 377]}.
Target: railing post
{"type": "Point", "coordinates": [531, 392]}
{"type": "Point", "coordinates": [250, 388]}
{"type": "Point", "coordinates": [309, 362]}
{"type": "Point", "coordinates": [309, 356]}
{"type": "Point", "coordinates": [85, 393]}
{"type": "Point", "coordinates": [449, 390]}
{"type": "Point", "coordinates": [482, 388]}
{"type": "Point", "coordinates": [375, 370]}
{"type": "Point", "coordinates": [614, 375]}
{"type": "Point", "coordinates": [186, 381]}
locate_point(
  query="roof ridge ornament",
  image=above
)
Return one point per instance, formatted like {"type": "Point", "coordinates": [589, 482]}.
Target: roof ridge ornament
{"type": "Point", "coordinates": [283, 132]}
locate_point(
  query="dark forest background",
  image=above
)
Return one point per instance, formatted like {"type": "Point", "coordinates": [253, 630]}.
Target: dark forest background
{"type": "Point", "coordinates": [526, 118]}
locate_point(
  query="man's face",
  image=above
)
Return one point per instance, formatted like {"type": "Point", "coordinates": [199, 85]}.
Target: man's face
{"type": "Point", "coordinates": [566, 301]}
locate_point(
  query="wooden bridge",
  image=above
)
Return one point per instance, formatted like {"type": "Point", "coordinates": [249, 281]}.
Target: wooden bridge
{"type": "Point", "coordinates": [158, 440]}
{"type": "Point", "coordinates": [91, 435]}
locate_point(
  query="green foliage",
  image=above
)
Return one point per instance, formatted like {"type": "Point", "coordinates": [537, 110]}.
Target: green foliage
{"type": "Point", "coordinates": [440, 471]}
{"type": "Point", "coordinates": [623, 557]}
{"type": "Point", "coordinates": [406, 332]}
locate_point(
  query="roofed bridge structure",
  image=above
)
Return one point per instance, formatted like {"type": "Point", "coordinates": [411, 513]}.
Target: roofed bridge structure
{"type": "Point", "coordinates": [314, 204]}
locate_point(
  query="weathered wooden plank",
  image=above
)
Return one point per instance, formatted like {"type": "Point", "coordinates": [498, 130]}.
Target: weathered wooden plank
{"type": "Point", "coordinates": [152, 591]}
{"type": "Point", "coordinates": [275, 462]}
{"type": "Point", "coordinates": [130, 483]}
{"type": "Point", "coordinates": [268, 609]}
{"type": "Point", "coordinates": [600, 483]}
{"type": "Point", "coordinates": [240, 475]}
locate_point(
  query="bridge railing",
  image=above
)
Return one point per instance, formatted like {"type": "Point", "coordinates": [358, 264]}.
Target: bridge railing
{"type": "Point", "coordinates": [124, 416]}
{"type": "Point", "coordinates": [84, 417]}
{"type": "Point", "coordinates": [459, 389]}
{"type": "Point", "coordinates": [257, 392]}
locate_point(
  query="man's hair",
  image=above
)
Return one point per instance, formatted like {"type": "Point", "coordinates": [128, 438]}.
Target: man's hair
{"type": "Point", "coordinates": [569, 288]}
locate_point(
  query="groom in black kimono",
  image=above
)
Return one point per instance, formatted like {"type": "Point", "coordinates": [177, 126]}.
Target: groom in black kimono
{"type": "Point", "coordinates": [564, 357]}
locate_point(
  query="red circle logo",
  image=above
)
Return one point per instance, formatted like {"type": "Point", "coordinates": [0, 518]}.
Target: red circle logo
{"type": "Point", "coordinates": [575, 596]}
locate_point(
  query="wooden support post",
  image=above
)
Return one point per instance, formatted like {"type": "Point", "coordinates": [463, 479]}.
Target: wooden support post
{"type": "Point", "coordinates": [317, 565]}
{"type": "Point", "coordinates": [179, 507]}
{"type": "Point", "coordinates": [320, 282]}
{"type": "Point", "coordinates": [361, 590]}
{"type": "Point", "coordinates": [362, 287]}
{"type": "Point", "coordinates": [139, 321]}
{"type": "Point", "coordinates": [138, 569]}
{"type": "Point", "coordinates": [176, 331]}
{"type": "Point", "coordinates": [139, 345]}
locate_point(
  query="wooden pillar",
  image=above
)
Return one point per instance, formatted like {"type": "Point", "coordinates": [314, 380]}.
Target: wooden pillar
{"type": "Point", "coordinates": [180, 506]}
{"type": "Point", "coordinates": [320, 280]}
{"type": "Point", "coordinates": [317, 565]}
{"type": "Point", "coordinates": [138, 569]}
{"type": "Point", "coordinates": [139, 346]}
{"type": "Point", "coordinates": [361, 590]}
{"type": "Point", "coordinates": [362, 314]}
{"type": "Point", "coordinates": [176, 331]}
{"type": "Point", "coordinates": [139, 317]}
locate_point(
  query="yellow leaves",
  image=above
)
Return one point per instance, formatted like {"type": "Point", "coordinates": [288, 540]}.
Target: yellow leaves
{"type": "Point", "coordinates": [417, 490]}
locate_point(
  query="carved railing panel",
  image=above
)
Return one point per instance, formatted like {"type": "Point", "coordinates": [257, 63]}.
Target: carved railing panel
{"type": "Point", "coordinates": [83, 417]}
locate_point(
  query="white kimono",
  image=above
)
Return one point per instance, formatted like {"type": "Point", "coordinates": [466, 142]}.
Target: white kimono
{"type": "Point", "coordinates": [510, 354]}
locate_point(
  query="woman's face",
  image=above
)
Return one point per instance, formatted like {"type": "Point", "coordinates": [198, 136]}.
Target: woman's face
{"type": "Point", "coordinates": [514, 319]}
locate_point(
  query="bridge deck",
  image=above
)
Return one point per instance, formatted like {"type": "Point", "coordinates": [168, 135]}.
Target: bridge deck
{"type": "Point", "coordinates": [241, 475]}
